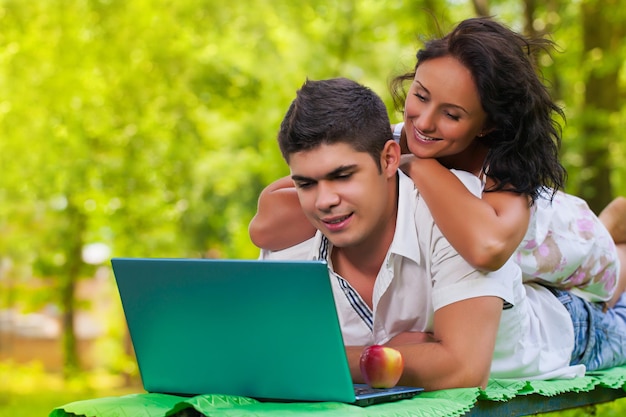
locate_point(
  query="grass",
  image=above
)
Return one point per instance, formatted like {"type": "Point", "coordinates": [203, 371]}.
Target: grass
{"type": "Point", "coordinates": [615, 408]}
{"type": "Point", "coordinates": [28, 391]}
{"type": "Point", "coordinates": [43, 402]}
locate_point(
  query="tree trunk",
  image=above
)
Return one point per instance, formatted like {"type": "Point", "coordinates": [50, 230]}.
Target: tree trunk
{"type": "Point", "coordinates": [481, 7]}
{"type": "Point", "coordinates": [602, 32]}
{"type": "Point", "coordinates": [76, 228]}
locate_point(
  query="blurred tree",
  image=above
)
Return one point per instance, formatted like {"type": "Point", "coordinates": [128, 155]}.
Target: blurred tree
{"type": "Point", "coordinates": [150, 125]}
{"type": "Point", "coordinates": [585, 79]}
{"type": "Point", "coordinates": [604, 31]}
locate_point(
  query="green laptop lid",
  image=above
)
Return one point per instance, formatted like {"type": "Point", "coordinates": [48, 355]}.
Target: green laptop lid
{"type": "Point", "coordinates": [261, 329]}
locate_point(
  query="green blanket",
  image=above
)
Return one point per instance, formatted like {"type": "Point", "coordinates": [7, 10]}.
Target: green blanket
{"type": "Point", "coordinates": [444, 403]}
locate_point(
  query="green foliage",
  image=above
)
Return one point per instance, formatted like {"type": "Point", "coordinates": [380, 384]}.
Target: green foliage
{"type": "Point", "coordinates": [150, 125]}
{"type": "Point", "coordinates": [615, 408]}
{"type": "Point", "coordinates": [32, 392]}
{"type": "Point", "coordinates": [572, 72]}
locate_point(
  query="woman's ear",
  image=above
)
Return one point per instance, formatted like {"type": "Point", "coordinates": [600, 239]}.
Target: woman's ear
{"type": "Point", "coordinates": [390, 157]}
{"type": "Point", "coordinates": [487, 129]}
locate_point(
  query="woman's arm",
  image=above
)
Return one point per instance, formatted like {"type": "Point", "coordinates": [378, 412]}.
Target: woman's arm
{"type": "Point", "coordinates": [484, 231]}
{"type": "Point", "coordinates": [279, 222]}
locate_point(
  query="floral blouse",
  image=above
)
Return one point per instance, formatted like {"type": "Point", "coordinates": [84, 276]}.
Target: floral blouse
{"type": "Point", "coordinates": [566, 246]}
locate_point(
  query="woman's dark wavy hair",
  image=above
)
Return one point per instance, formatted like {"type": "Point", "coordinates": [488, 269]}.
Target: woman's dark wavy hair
{"type": "Point", "coordinates": [524, 144]}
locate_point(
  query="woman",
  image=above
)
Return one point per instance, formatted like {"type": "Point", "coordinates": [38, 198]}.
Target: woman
{"type": "Point", "coordinates": [476, 103]}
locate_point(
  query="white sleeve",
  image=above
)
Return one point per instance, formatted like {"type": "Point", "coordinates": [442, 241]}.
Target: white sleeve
{"type": "Point", "coordinates": [471, 181]}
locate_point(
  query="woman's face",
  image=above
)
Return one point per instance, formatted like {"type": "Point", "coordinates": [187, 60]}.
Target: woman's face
{"type": "Point", "coordinates": [443, 114]}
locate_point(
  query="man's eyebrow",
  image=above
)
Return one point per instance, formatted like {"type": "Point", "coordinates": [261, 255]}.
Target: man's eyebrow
{"type": "Point", "coordinates": [328, 176]}
{"type": "Point", "coordinates": [456, 106]}
{"type": "Point", "coordinates": [301, 178]}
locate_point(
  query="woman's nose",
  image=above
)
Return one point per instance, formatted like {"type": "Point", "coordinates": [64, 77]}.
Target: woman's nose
{"type": "Point", "coordinates": [425, 121]}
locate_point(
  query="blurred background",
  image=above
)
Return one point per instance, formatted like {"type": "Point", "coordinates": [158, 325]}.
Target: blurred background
{"type": "Point", "coordinates": [147, 128]}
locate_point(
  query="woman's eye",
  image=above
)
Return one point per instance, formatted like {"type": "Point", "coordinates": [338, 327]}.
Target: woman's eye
{"type": "Point", "coordinates": [453, 116]}
{"type": "Point", "coordinates": [420, 97]}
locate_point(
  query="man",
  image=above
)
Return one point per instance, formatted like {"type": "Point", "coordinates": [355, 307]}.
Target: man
{"type": "Point", "coordinates": [396, 279]}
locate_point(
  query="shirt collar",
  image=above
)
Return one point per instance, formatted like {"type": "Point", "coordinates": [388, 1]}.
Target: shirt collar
{"type": "Point", "coordinates": [405, 242]}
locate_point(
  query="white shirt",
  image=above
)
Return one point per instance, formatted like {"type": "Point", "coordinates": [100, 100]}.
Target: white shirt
{"type": "Point", "coordinates": [422, 273]}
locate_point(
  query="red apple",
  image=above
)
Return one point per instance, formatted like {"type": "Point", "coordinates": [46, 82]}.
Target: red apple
{"type": "Point", "coordinates": [381, 366]}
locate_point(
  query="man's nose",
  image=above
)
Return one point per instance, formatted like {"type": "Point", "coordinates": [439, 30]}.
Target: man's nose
{"type": "Point", "coordinates": [327, 197]}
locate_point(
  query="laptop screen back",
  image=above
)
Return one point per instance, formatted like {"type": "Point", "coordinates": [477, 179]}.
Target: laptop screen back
{"type": "Point", "coordinates": [262, 329]}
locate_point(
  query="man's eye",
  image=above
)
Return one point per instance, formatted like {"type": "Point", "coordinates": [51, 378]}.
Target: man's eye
{"type": "Point", "coordinates": [304, 185]}
{"type": "Point", "coordinates": [343, 176]}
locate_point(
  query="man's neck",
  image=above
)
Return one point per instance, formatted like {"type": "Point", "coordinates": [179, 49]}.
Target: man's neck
{"type": "Point", "coordinates": [353, 260]}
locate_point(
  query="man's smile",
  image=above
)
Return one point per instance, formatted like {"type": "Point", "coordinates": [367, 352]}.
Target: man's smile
{"type": "Point", "coordinates": [336, 223]}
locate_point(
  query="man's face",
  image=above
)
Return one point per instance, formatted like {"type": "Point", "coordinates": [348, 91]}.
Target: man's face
{"type": "Point", "coordinates": [344, 194]}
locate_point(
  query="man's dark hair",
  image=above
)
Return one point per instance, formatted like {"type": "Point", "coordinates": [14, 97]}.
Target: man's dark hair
{"type": "Point", "coordinates": [336, 110]}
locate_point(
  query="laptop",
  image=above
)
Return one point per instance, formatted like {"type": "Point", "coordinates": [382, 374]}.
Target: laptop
{"type": "Point", "coordinates": [261, 329]}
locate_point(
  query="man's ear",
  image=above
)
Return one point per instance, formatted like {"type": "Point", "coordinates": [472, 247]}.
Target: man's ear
{"type": "Point", "coordinates": [390, 158]}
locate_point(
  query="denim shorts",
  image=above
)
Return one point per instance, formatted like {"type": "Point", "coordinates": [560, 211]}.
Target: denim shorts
{"type": "Point", "coordinates": [599, 337]}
